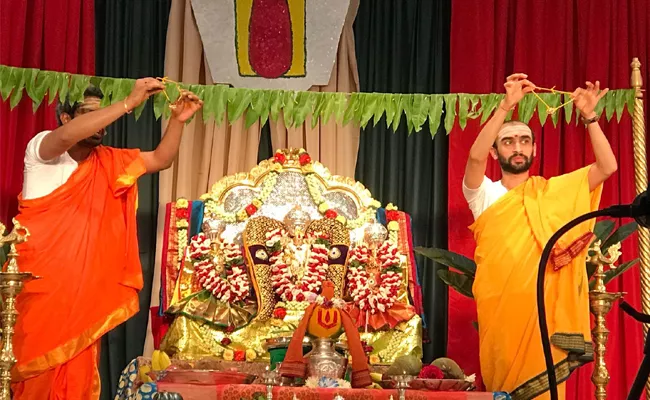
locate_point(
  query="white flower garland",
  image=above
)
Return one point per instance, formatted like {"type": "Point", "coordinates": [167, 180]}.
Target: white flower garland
{"type": "Point", "coordinates": [384, 295]}
{"type": "Point", "coordinates": [232, 285]}
{"type": "Point", "coordinates": [281, 277]}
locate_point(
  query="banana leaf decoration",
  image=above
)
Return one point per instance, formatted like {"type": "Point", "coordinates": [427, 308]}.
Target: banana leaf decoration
{"type": "Point", "coordinates": [460, 271]}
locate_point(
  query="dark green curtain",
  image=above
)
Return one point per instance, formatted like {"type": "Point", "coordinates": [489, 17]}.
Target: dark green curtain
{"type": "Point", "coordinates": [403, 47]}
{"type": "Point", "coordinates": [130, 42]}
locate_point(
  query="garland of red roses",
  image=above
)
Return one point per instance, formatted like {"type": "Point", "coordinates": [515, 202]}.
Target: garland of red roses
{"type": "Point", "coordinates": [281, 277]}
{"type": "Point", "coordinates": [383, 296]}
{"type": "Point", "coordinates": [232, 285]}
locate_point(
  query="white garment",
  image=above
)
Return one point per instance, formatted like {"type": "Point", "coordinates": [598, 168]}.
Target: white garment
{"type": "Point", "coordinates": [484, 196]}
{"type": "Point", "coordinates": [43, 177]}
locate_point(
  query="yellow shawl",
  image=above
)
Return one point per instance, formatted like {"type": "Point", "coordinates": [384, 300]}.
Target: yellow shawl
{"type": "Point", "coordinates": [510, 237]}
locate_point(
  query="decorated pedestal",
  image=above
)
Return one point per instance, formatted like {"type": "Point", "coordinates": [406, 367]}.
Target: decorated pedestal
{"type": "Point", "coordinates": [242, 264]}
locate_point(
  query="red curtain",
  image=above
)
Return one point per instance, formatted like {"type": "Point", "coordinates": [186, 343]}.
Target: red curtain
{"type": "Point", "coordinates": [558, 43]}
{"type": "Point", "coordinates": [57, 35]}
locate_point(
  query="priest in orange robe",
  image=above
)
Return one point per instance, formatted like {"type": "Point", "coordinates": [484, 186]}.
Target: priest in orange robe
{"type": "Point", "coordinates": [79, 202]}
{"type": "Point", "coordinates": [515, 218]}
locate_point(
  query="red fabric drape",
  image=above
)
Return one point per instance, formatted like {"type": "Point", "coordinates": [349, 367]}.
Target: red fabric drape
{"type": "Point", "coordinates": [57, 35]}
{"type": "Point", "coordinates": [558, 43]}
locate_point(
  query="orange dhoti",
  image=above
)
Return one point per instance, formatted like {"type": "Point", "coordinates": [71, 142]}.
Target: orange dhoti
{"type": "Point", "coordinates": [83, 245]}
{"type": "Point", "coordinates": [510, 237]}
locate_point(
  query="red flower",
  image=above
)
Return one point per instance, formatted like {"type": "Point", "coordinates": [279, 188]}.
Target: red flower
{"type": "Point", "coordinates": [251, 209]}
{"type": "Point", "coordinates": [304, 159]}
{"type": "Point", "coordinates": [230, 329]}
{"type": "Point", "coordinates": [368, 349]}
{"type": "Point", "coordinates": [226, 341]}
{"type": "Point", "coordinates": [392, 215]}
{"type": "Point", "coordinates": [330, 214]}
{"type": "Point", "coordinates": [431, 372]}
{"type": "Point", "coordinates": [182, 213]}
{"type": "Point", "coordinates": [240, 355]}
{"type": "Point", "coordinates": [279, 313]}
{"type": "Point", "coordinates": [300, 297]}
{"type": "Point", "coordinates": [280, 158]}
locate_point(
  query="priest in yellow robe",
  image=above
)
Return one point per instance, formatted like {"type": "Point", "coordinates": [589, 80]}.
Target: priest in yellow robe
{"type": "Point", "coordinates": [514, 219]}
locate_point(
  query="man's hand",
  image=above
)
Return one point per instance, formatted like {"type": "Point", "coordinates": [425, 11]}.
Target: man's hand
{"type": "Point", "coordinates": [516, 88]}
{"type": "Point", "coordinates": [142, 90]}
{"type": "Point", "coordinates": [187, 105]}
{"type": "Point", "coordinates": [587, 99]}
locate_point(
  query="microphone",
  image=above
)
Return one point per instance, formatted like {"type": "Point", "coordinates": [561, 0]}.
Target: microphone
{"type": "Point", "coordinates": [639, 210]}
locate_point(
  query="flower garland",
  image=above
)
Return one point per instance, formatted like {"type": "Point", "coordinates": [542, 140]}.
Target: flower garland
{"type": "Point", "coordinates": [383, 295]}
{"type": "Point", "coordinates": [392, 217]}
{"type": "Point", "coordinates": [281, 277]}
{"type": "Point", "coordinates": [247, 211]}
{"type": "Point", "coordinates": [231, 284]}
{"type": "Point", "coordinates": [182, 224]}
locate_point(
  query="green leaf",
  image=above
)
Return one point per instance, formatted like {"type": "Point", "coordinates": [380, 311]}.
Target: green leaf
{"type": "Point", "coordinates": [489, 103]}
{"type": "Point", "coordinates": [137, 112]}
{"type": "Point", "coordinates": [461, 283]}
{"type": "Point", "coordinates": [159, 104]}
{"type": "Point", "coordinates": [568, 107]}
{"type": "Point", "coordinates": [238, 101]}
{"type": "Point", "coordinates": [435, 113]}
{"type": "Point", "coordinates": [78, 85]}
{"type": "Point", "coordinates": [450, 111]}
{"type": "Point", "coordinates": [619, 235]}
{"type": "Point", "coordinates": [620, 104]}
{"type": "Point", "coordinates": [369, 101]}
{"type": "Point", "coordinates": [126, 87]}
{"type": "Point", "coordinates": [527, 107]}
{"type": "Point", "coordinates": [277, 102]}
{"type": "Point", "coordinates": [631, 99]}
{"type": "Point", "coordinates": [43, 82]}
{"type": "Point", "coordinates": [253, 112]}
{"type": "Point", "coordinates": [208, 102]}
{"type": "Point", "coordinates": [553, 100]}
{"type": "Point", "coordinates": [289, 107]}
{"type": "Point", "coordinates": [380, 107]}
{"type": "Point", "coordinates": [449, 258]}
{"type": "Point", "coordinates": [265, 98]}
{"type": "Point", "coordinates": [354, 104]}
{"type": "Point", "coordinates": [603, 229]}
{"type": "Point", "coordinates": [399, 110]}
{"type": "Point", "coordinates": [18, 76]}
{"type": "Point", "coordinates": [106, 86]}
{"type": "Point", "coordinates": [464, 108]}
{"type": "Point", "coordinates": [304, 107]}
{"type": "Point", "coordinates": [30, 83]}
{"type": "Point", "coordinates": [319, 107]}
{"type": "Point", "coordinates": [391, 109]}
{"type": "Point", "coordinates": [419, 111]}
{"type": "Point", "coordinates": [601, 104]}
{"type": "Point", "coordinates": [610, 104]}
{"type": "Point", "coordinates": [6, 83]}
{"type": "Point", "coordinates": [220, 102]}
{"type": "Point", "coordinates": [613, 273]}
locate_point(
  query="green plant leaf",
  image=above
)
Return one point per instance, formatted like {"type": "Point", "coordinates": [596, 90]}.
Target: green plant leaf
{"type": "Point", "coordinates": [38, 90]}
{"type": "Point", "coordinates": [553, 100]}
{"type": "Point", "coordinates": [466, 107]}
{"type": "Point", "coordinates": [527, 107]}
{"type": "Point", "coordinates": [238, 101]}
{"type": "Point", "coordinates": [449, 259]}
{"type": "Point", "coordinates": [610, 104]}
{"type": "Point", "coordinates": [619, 235]}
{"type": "Point", "coordinates": [289, 107]}
{"type": "Point", "coordinates": [17, 76]}
{"type": "Point", "coordinates": [159, 104]}
{"type": "Point", "coordinates": [620, 105]}
{"type": "Point", "coordinates": [354, 102]}
{"type": "Point", "coordinates": [319, 107]}
{"type": "Point", "coordinates": [137, 112]}
{"type": "Point", "coordinates": [6, 83]}
{"type": "Point", "coordinates": [391, 109]}
{"type": "Point", "coordinates": [220, 102]}
{"type": "Point", "coordinates": [568, 107]}
{"type": "Point", "coordinates": [31, 74]}
{"type": "Point", "coordinates": [450, 111]}
{"type": "Point", "coordinates": [435, 113]}
{"type": "Point", "coordinates": [603, 229]}
{"type": "Point", "coordinates": [399, 111]}
{"type": "Point", "coordinates": [602, 103]}
{"type": "Point", "coordinates": [613, 273]}
{"type": "Point", "coordinates": [630, 95]}
{"type": "Point", "coordinates": [489, 103]}
{"type": "Point", "coordinates": [461, 283]}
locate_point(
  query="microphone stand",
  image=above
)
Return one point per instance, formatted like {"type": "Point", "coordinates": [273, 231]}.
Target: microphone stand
{"type": "Point", "coordinates": [644, 368]}
{"type": "Point", "coordinates": [618, 211]}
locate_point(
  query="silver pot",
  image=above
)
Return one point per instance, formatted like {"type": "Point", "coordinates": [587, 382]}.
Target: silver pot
{"type": "Point", "coordinates": [324, 361]}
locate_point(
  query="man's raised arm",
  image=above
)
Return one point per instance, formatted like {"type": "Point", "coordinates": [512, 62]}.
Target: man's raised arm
{"type": "Point", "coordinates": [516, 88]}
{"type": "Point", "coordinates": [74, 129]}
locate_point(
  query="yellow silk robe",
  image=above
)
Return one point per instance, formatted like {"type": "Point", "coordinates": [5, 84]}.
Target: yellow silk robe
{"type": "Point", "coordinates": [510, 237]}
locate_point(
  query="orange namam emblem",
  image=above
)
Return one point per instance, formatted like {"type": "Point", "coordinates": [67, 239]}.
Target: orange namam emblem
{"type": "Point", "coordinates": [270, 38]}
{"type": "Point", "coordinates": [325, 322]}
